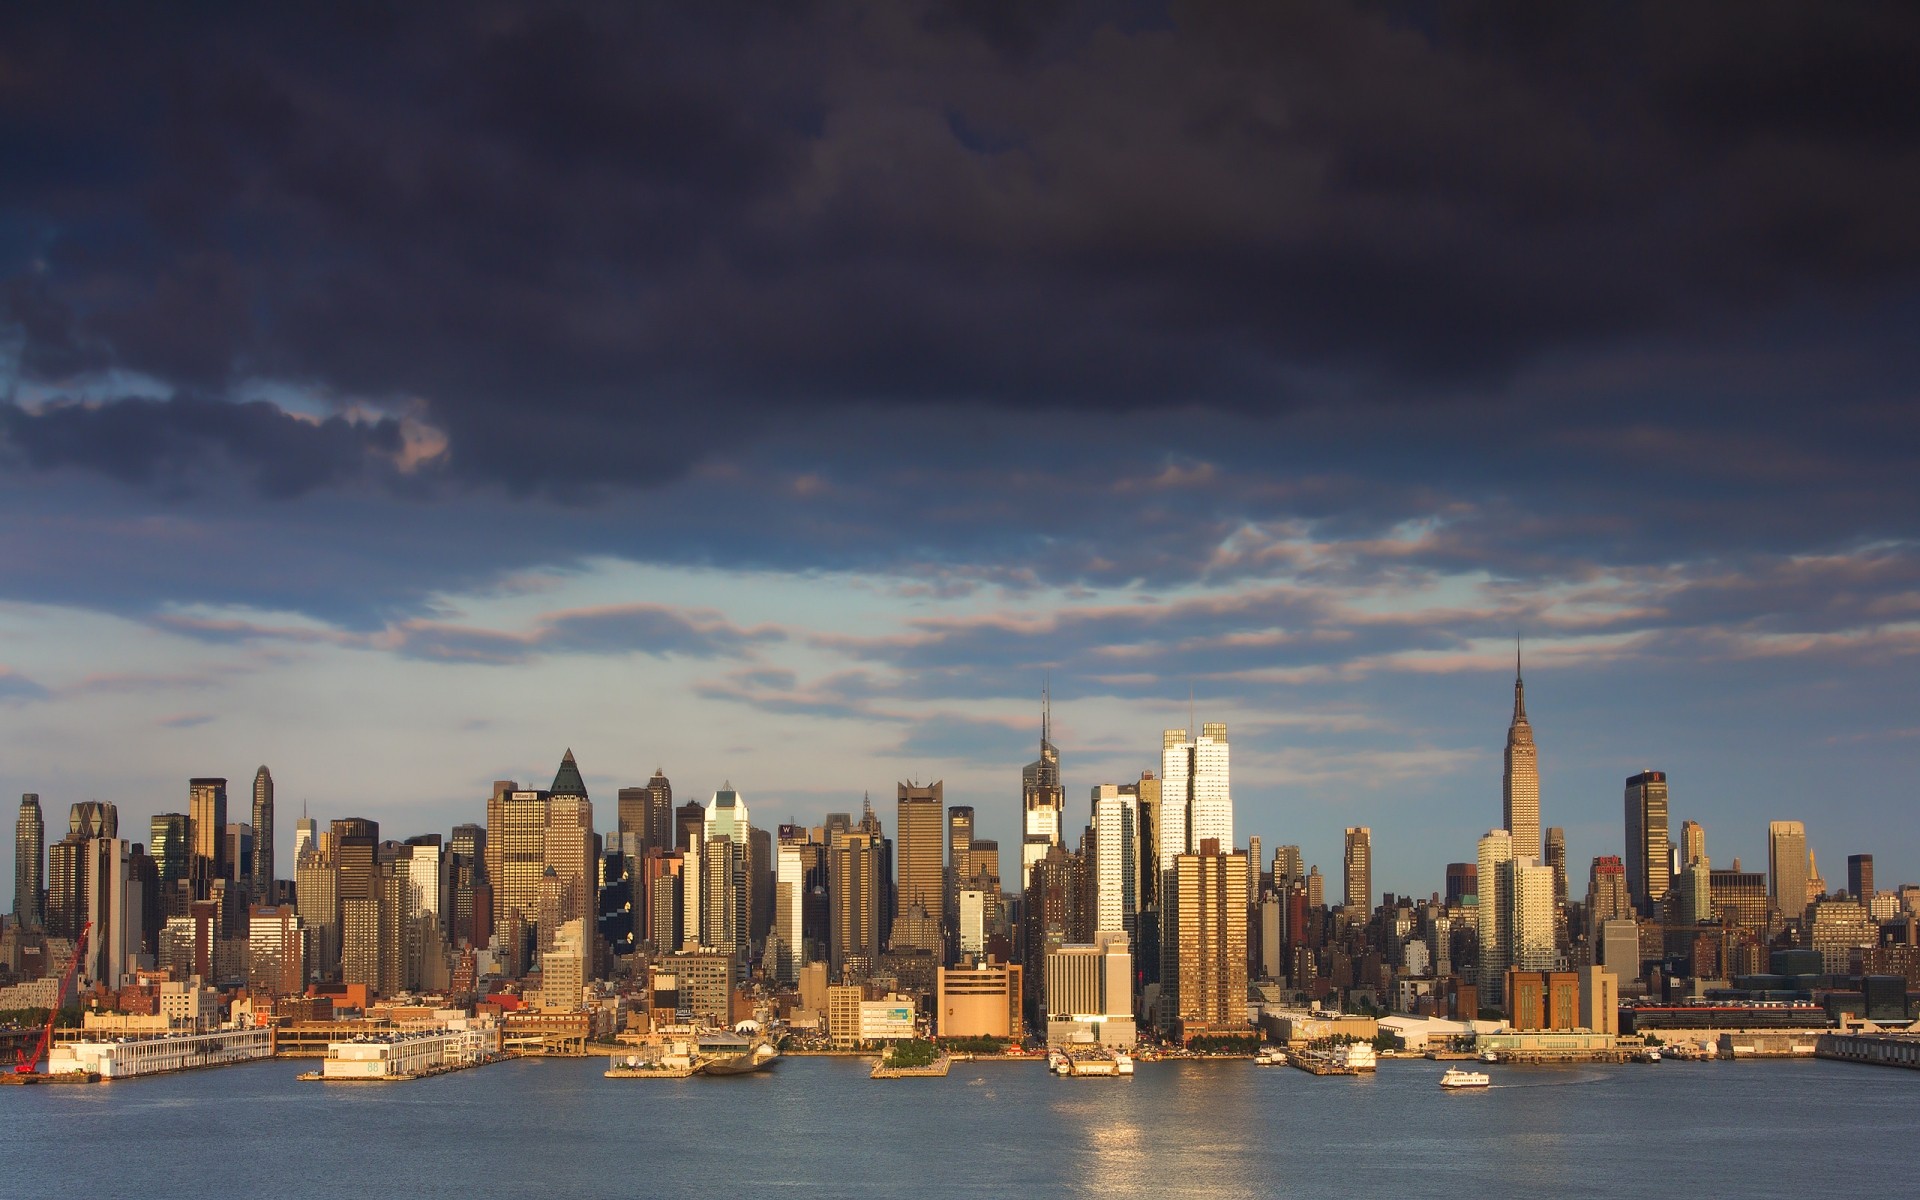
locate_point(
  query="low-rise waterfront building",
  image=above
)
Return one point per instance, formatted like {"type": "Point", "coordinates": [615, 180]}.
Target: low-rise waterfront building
{"type": "Point", "coordinates": [407, 1054]}
{"type": "Point", "coordinates": [887, 1020]}
{"type": "Point", "coordinates": [978, 1001]}
{"type": "Point", "coordinates": [127, 1057]}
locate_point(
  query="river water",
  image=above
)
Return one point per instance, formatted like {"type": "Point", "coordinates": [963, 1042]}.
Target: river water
{"type": "Point", "coordinates": [556, 1128]}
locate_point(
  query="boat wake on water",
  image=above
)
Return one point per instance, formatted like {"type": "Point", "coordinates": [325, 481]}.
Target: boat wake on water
{"type": "Point", "coordinates": [1568, 1081]}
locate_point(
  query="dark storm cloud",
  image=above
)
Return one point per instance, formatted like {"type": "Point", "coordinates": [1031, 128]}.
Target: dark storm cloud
{"type": "Point", "coordinates": [983, 296]}
{"type": "Point", "coordinates": [598, 240]}
{"type": "Point", "coordinates": [173, 441]}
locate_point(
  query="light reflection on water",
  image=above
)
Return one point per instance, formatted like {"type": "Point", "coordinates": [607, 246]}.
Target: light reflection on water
{"type": "Point", "coordinates": [1227, 1129]}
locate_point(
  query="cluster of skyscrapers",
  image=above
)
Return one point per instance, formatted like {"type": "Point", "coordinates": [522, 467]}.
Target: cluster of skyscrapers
{"type": "Point", "coordinates": [1150, 915]}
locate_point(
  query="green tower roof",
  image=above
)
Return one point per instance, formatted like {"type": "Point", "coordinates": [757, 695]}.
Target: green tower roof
{"type": "Point", "coordinates": [567, 781]}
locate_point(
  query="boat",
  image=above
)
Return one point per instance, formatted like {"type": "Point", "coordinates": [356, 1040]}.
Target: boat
{"type": "Point", "coordinates": [1123, 1062]}
{"type": "Point", "coordinates": [1456, 1078]}
{"type": "Point", "coordinates": [1650, 1055]}
{"type": "Point", "coordinates": [705, 1054]}
{"type": "Point", "coordinates": [757, 1057]}
{"type": "Point", "coordinates": [1488, 1056]}
{"type": "Point", "coordinates": [1270, 1057]}
{"type": "Point", "coordinates": [1058, 1062]}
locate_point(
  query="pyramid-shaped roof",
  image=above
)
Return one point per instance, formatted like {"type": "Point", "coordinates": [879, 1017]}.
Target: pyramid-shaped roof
{"type": "Point", "coordinates": [567, 781]}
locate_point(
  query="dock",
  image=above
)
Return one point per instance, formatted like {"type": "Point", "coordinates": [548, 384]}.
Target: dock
{"type": "Point", "coordinates": [407, 1056]}
{"type": "Point", "coordinates": [132, 1056]}
{"type": "Point", "coordinates": [1874, 1049]}
{"type": "Point", "coordinates": [937, 1069]}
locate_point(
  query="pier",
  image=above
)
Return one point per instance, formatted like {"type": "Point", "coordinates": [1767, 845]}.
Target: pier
{"type": "Point", "coordinates": [1875, 1049]}
{"type": "Point", "coordinates": [159, 1054]}
{"type": "Point", "coordinates": [937, 1069]}
{"type": "Point", "coordinates": [401, 1057]}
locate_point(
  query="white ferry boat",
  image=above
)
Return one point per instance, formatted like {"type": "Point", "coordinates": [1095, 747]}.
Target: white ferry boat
{"type": "Point", "coordinates": [1456, 1078]}
{"type": "Point", "coordinates": [1270, 1056]}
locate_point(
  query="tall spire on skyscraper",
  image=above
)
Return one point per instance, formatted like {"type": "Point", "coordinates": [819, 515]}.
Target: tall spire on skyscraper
{"type": "Point", "coordinates": [1046, 710]}
{"type": "Point", "coordinates": [1519, 687]}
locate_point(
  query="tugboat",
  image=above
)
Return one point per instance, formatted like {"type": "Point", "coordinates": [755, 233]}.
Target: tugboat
{"type": "Point", "coordinates": [1455, 1078]}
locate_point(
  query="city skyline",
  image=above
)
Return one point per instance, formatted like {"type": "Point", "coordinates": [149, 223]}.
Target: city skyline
{"type": "Point", "coordinates": [609, 819]}
{"type": "Point", "coordinates": [396, 410]}
{"type": "Point", "coordinates": [786, 571]}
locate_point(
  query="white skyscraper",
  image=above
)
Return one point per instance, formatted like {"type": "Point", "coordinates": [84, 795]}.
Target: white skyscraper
{"type": "Point", "coordinates": [1116, 865]}
{"type": "Point", "coordinates": [690, 891]}
{"type": "Point", "coordinates": [1534, 944]}
{"type": "Point", "coordinates": [305, 832]}
{"type": "Point", "coordinates": [789, 890]}
{"type": "Point", "coordinates": [727, 818]}
{"type": "Point", "coordinates": [973, 921]}
{"type": "Point", "coordinates": [1494, 914]}
{"type": "Point", "coordinates": [1196, 797]}
{"type": "Point", "coordinates": [423, 879]}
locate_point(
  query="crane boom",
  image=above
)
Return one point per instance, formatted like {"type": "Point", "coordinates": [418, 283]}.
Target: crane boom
{"type": "Point", "coordinates": [30, 1063]}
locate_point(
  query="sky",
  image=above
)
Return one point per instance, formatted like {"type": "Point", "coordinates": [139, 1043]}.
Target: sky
{"type": "Point", "coordinates": [782, 396]}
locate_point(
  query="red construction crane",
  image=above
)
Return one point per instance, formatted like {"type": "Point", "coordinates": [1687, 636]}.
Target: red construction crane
{"type": "Point", "coordinates": [30, 1063]}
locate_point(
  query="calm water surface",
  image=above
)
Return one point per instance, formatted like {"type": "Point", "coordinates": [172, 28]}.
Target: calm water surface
{"type": "Point", "coordinates": [1230, 1129]}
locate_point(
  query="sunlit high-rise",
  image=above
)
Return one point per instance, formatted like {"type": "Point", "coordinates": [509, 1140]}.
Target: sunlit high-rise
{"type": "Point", "coordinates": [1532, 924]}
{"type": "Point", "coordinates": [1648, 871]}
{"type": "Point", "coordinates": [1207, 905]}
{"type": "Point", "coordinates": [1494, 914]}
{"type": "Point", "coordinates": [1116, 850]}
{"type": "Point", "coordinates": [1693, 844]}
{"type": "Point", "coordinates": [1196, 794]}
{"type": "Point", "coordinates": [206, 833]}
{"type": "Point", "coordinates": [262, 867]}
{"type": "Point", "coordinates": [1607, 897]}
{"type": "Point", "coordinates": [1358, 863]}
{"type": "Point", "coordinates": [1520, 783]}
{"type": "Point", "coordinates": [567, 846]}
{"type": "Point", "coordinates": [516, 850]}
{"type": "Point", "coordinates": [29, 862]}
{"type": "Point", "coordinates": [919, 866]}
{"type": "Point", "coordinates": [1787, 867]}
{"type": "Point", "coordinates": [1042, 798]}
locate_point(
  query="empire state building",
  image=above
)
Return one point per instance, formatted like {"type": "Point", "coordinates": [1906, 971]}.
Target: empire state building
{"type": "Point", "coordinates": [1520, 787]}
